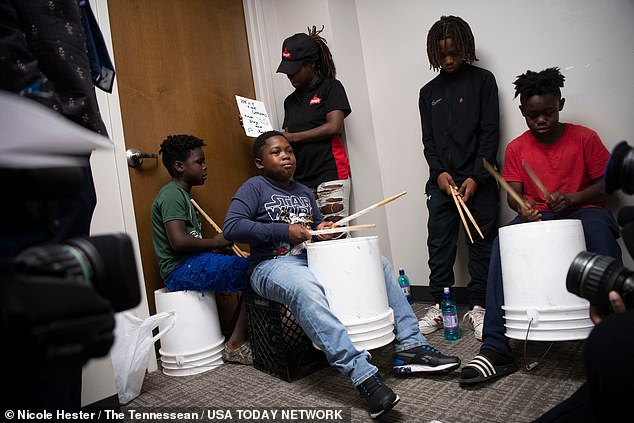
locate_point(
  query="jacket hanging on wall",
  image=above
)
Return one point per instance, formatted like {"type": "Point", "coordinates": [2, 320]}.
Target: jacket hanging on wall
{"type": "Point", "coordinates": [101, 67]}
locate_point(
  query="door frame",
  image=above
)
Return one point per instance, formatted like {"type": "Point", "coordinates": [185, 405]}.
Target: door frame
{"type": "Point", "coordinates": [110, 109]}
{"type": "Point", "coordinates": [109, 106]}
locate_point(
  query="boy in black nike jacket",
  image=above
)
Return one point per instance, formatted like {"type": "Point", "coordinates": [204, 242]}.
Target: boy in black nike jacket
{"type": "Point", "coordinates": [460, 120]}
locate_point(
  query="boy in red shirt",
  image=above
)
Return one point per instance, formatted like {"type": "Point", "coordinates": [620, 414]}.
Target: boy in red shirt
{"type": "Point", "coordinates": [569, 160]}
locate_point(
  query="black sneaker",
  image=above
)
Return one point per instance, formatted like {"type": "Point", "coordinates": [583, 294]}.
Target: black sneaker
{"type": "Point", "coordinates": [377, 395]}
{"type": "Point", "coordinates": [423, 359]}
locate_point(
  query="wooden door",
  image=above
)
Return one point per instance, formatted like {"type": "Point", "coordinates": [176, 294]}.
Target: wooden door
{"type": "Point", "coordinates": [179, 65]}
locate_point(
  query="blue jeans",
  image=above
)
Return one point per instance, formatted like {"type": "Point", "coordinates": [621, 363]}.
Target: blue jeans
{"type": "Point", "coordinates": [288, 280]}
{"type": "Point", "coordinates": [600, 231]}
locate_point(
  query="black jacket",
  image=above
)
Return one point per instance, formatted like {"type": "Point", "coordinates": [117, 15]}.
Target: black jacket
{"type": "Point", "coordinates": [460, 119]}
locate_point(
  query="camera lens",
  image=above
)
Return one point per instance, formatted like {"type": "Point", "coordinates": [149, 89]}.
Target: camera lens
{"type": "Point", "coordinates": [104, 262]}
{"type": "Point", "coordinates": [113, 266]}
{"type": "Point", "coordinates": [593, 276]}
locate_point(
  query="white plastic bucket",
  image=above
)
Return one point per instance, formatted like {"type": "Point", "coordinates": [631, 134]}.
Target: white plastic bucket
{"type": "Point", "coordinates": [187, 358]}
{"type": "Point", "coordinates": [376, 322]}
{"type": "Point", "coordinates": [193, 363]}
{"type": "Point", "coordinates": [352, 275]}
{"type": "Point", "coordinates": [197, 326]}
{"type": "Point", "coordinates": [535, 260]}
{"type": "Point", "coordinates": [194, 370]}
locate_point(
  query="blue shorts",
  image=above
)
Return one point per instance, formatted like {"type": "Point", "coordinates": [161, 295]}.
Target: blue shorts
{"type": "Point", "coordinates": [210, 272]}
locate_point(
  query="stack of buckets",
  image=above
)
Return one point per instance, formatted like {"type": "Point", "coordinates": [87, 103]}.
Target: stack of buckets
{"type": "Point", "coordinates": [351, 272]}
{"type": "Point", "coordinates": [535, 260]}
{"type": "Point", "coordinates": [195, 343]}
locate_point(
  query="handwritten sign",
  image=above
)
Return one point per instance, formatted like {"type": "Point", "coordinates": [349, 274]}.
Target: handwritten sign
{"type": "Point", "coordinates": [255, 120]}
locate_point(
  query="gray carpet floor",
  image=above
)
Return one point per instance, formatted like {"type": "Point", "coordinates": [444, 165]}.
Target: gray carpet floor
{"type": "Point", "coordinates": [520, 397]}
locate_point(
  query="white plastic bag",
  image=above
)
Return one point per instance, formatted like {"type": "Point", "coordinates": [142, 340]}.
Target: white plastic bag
{"type": "Point", "coordinates": [131, 350]}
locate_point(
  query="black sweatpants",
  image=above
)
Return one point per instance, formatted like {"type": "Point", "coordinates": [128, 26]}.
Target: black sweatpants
{"type": "Point", "coordinates": [442, 227]}
{"type": "Point", "coordinates": [606, 395]}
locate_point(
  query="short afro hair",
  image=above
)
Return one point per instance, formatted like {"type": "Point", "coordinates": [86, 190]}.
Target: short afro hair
{"type": "Point", "coordinates": [178, 148]}
{"type": "Point", "coordinates": [261, 140]}
{"type": "Point", "coordinates": [548, 81]}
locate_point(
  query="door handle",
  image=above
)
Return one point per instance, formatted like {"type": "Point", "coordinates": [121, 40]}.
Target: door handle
{"type": "Point", "coordinates": [135, 157]}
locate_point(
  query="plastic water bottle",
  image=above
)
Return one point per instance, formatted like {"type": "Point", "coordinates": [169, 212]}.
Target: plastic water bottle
{"type": "Point", "coordinates": [449, 316]}
{"type": "Point", "coordinates": [403, 282]}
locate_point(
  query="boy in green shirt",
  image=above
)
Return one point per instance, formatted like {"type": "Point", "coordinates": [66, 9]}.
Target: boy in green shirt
{"type": "Point", "coordinates": [187, 261]}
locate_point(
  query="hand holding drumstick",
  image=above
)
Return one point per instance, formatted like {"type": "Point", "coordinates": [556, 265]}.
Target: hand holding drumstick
{"type": "Point", "coordinates": [460, 203]}
{"type": "Point", "coordinates": [466, 190]}
{"type": "Point", "coordinates": [529, 212]}
{"type": "Point", "coordinates": [558, 201]}
{"type": "Point", "coordinates": [525, 208]}
{"type": "Point", "coordinates": [555, 201]}
{"type": "Point", "coordinates": [217, 228]}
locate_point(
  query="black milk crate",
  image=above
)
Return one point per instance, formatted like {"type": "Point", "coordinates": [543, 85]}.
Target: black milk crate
{"type": "Point", "coordinates": [279, 345]}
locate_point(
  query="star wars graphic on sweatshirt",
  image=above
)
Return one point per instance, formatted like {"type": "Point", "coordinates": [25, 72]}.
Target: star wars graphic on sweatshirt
{"type": "Point", "coordinates": [289, 209]}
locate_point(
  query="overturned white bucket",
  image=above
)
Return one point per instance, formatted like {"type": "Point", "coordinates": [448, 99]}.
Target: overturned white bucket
{"type": "Point", "coordinates": [215, 350]}
{"type": "Point", "coordinates": [194, 345]}
{"type": "Point", "coordinates": [352, 275]}
{"type": "Point", "coordinates": [190, 370]}
{"type": "Point", "coordinates": [187, 365]}
{"type": "Point", "coordinates": [535, 260]}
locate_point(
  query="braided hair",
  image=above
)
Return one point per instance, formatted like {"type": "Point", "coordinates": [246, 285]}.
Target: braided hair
{"type": "Point", "coordinates": [324, 66]}
{"type": "Point", "coordinates": [459, 31]}
{"type": "Point", "coordinates": [532, 83]}
{"type": "Point", "coordinates": [178, 148]}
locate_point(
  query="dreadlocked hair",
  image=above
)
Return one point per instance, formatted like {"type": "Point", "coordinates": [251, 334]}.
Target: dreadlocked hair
{"type": "Point", "coordinates": [178, 148]}
{"type": "Point", "coordinates": [459, 31]}
{"type": "Point", "coordinates": [325, 66]}
{"type": "Point", "coordinates": [548, 81]}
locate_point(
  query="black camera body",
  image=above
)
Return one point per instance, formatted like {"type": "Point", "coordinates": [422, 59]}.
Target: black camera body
{"type": "Point", "coordinates": [593, 276]}
{"type": "Point", "coordinates": [57, 299]}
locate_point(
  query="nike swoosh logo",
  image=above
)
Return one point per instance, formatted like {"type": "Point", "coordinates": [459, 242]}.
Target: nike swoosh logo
{"type": "Point", "coordinates": [434, 102]}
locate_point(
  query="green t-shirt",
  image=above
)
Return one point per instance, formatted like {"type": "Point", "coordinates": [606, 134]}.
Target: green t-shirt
{"type": "Point", "coordinates": [172, 203]}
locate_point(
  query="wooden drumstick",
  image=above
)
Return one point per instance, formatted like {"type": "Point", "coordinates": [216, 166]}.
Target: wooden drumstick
{"type": "Point", "coordinates": [464, 222]}
{"type": "Point", "coordinates": [466, 209]}
{"type": "Point", "coordinates": [535, 179]}
{"type": "Point", "coordinates": [367, 209]}
{"type": "Point", "coordinates": [504, 184]}
{"type": "Point", "coordinates": [234, 247]}
{"type": "Point", "coordinates": [337, 230]}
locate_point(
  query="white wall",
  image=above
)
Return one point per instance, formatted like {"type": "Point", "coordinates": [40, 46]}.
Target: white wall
{"type": "Point", "coordinates": [269, 22]}
{"type": "Point", "coordinates": [590, 40]}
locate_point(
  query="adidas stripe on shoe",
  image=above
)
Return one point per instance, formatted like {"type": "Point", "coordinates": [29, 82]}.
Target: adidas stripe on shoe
{"type": "Point", "coordinates": [481, 369]}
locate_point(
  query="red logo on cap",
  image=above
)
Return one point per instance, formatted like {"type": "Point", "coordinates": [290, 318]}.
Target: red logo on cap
{"type": "Point", "coordinates": [286, 54]}
{"type": "Point", "coordinates": [315, 100]}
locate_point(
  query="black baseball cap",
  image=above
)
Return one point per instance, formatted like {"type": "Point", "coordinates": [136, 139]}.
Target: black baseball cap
{"type": "Point", "coordinates": [296, 50]}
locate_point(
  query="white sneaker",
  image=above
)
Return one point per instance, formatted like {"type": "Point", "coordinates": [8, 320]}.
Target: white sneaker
{"type": "Point", "coordinates": [431, 321]}
{"type": "Point", "coordinates": [476, 321]}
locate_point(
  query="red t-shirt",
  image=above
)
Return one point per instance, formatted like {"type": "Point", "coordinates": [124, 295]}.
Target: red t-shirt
{"type": "Point", "coordinates": [567, 166]}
